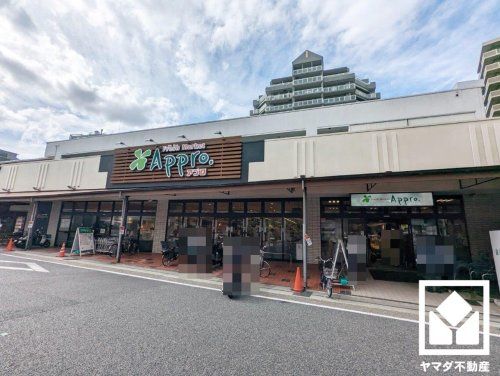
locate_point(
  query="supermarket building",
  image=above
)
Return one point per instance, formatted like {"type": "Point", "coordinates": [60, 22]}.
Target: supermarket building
{"type": "Point", "coordinates": [388, 171]}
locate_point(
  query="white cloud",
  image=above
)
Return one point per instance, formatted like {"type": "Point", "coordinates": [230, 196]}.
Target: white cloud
{"type": "Point", "coordinates": [74, 67]}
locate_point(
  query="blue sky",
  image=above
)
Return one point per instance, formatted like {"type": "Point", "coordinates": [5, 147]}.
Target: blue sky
{"type": "Point", "coordinates": [79, 66]}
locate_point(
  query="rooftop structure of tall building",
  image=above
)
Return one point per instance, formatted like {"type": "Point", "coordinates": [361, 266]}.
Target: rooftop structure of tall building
{"type": "Point", "coordinates": [310, 85]}
{"type": "Point", "coordinates": [489, 72]}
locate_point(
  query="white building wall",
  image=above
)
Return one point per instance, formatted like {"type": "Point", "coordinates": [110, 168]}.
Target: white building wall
{"type": "Point", "coordinates": [53, 175]}
{"type": "Point", "coordinates": [425, 109]}
{"type": "Point", "coordinates": [447, 146]}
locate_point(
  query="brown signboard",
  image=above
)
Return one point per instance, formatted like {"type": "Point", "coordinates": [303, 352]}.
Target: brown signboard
{"type": "Point", "coordinates": [191, 160]}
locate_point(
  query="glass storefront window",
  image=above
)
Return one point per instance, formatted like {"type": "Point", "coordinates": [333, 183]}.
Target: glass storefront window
{"type": "Point", "coordinates": [222, 207]}
{"type": "Point", "coordinates": [106, 207]}
{"type": "Point", "coordinates": [174, 225]}
{"type": "Point", "coordinates": [293, 236]}
{"type": "Point", "coordinates": [238, 207]}
{"type": "Point", "coordinates": [207, 207]}
{"type": "Point", "coordinates": [67, 206]}
{"type": "Point", "coordinates": [118, 207]}
{"type": "Point", "coordinates": [272, 236]}
{"type": "Point", "coordinates": [103, 225]}
{"type": "Point", "coordinates": [191, 222]}
{"type": "Point", "coordinates": [133, 226]}
{"type": "Point", "coordinates": [331, 206]}
{"type": "Point", "coordinates": [293, 207]}
{"type": "Point", "coordinates": [192, 207]}
{"type": "Point", "coordinates": [253, 227]}
{"type": "Point", "coordinates": [147, 228]}
{"type": "Point", "coordinates": [254, 207]}
{"type": "Point", "coordinates": [331, 230]}
{"type": "Point", "coordinates": [149, 206]}
{"type": "Point", "coordinates": [92, 206]}
{"type": "Point", "coordinates": [79, 206]}
{"type": "Point", "coordinates": [448, 205]}
{"type": "Point", "coordinates": [134, 206]}
{"type": "Point", "coordinates": [64, 223]}
{"type": "Point", "coordinates": [115, 225]}
{"type": "Point", "coordinates": [175, 207]}
{"type": "Point", "coordinates": [272, 207]}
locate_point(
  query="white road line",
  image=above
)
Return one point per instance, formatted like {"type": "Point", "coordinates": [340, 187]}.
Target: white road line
{"type": "Point", "coordinates": [15, 268]}
{"type": "Point", "coordinates": [32, 266]}
{"type": "Point", "coordinates": [217, 289]}
{"type": "Point", "coordinates": [36, 267]}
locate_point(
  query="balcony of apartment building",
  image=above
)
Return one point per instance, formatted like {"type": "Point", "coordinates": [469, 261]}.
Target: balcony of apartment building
{"type": "Point", "coordinates": [280, 85]}
{"type": "Point", "coordinates": [307, 71]}
{"type": "Point", "coordinates": [493, 100]}
{"type": "Point", "coordinates": [279, 108]}
{"type": "Point", "coordinates": [308, 93]}
{"type": "Point", "coordinates": [492, 84]}
{"type": "Point", "coordinates": [337, 90]}
{"type": "Point", "coordinates": [488, 58]}
{"type": "Point", "coordinates": [307, 82]}
{"type": "Point", "coordinates": [365, 84]}
{"type": "Point", "coordinates": [366, 96]}
{"type": "Point", "coordinates": [279, 98]}
{"type": "Point", "coordinates": [495, 111]}
{"type": "Point", "coordinates": [341, 99]}
{"type": "Point", "coordinates": [491, 70]}
{"type": "Point", "coordinates": [337, 79]}
{"type": "Point", "coordinates": [308, 103]}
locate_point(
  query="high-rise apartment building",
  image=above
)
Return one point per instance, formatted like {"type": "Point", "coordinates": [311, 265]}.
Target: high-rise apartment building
{"type": "Point", "coordinates": [310, 85]}
{"type": "Point", "coordinates": [489, 72]}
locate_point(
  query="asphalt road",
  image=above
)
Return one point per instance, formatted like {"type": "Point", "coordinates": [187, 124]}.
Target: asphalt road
{"type": "Point", "coordinates": [70, 321]}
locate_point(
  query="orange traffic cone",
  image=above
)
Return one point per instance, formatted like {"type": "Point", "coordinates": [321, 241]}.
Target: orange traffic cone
{"type": "Point", "coordinates": [62, 251]}
{"type": "Point", "coordinates": [10, 245]}
{"type": "Point", "coordinates": [298, 285]}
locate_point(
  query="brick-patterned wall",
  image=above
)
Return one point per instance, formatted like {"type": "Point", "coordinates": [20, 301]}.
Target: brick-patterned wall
{"type": "Point", "coordinates": [160, 225]}
{"type": "Point", "coordinates": [55, 212]}
{"type": "Point", "coordinates": [313, 227]}
{"type": "Point", "coordinates": [482, 212]}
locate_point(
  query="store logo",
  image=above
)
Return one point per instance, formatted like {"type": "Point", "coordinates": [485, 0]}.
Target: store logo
{"type": "Point", "coordinates": [366, 199]}
{"type": "Point", "coordinates": [454, 327]}
{"type": "Point", "coordinates": [141, 159]}
{"type": "Point", "coordinates": [187, 164]}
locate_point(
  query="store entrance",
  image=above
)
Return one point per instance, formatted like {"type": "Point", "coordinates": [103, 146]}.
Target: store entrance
{"type": "Point", "coordinates": [389, 242]}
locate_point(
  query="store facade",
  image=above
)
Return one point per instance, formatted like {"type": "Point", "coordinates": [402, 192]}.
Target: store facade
{"type": "Point", "coordinates": [282, 176]}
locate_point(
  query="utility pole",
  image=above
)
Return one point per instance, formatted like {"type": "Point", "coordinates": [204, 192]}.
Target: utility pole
{"type": "Point", "coordinates": [123, 228]}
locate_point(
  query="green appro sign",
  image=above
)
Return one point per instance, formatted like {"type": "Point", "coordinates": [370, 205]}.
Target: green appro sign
{"type": "Point", "coordinates": [392, 199]}
{"type": "Point", "coordinates": [189, 159]}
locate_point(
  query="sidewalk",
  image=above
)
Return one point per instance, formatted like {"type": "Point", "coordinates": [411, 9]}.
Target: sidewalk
{"type": "Point", "coordinates": [367, 297]}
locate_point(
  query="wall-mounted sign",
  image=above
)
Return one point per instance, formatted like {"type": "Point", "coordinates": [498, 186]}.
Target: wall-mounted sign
{"type": "Point", "coordinates": [392, 199]}
{"type": "Point", "coordinates": [210, 159]}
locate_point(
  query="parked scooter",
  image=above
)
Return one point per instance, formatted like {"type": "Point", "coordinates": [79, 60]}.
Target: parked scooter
{"type": "Point", "coordinates": [39, 240]}
{"type": "Point", "coordinates": [217, 252]}
{"type": "Point", "coordinates": [20, 242]}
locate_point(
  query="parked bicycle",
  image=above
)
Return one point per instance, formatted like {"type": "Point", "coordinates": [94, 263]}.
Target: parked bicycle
{"type": "Point", "coordinates": [326, 275]}
{"type": "Point", "coordinates": [170, 253]}
{"type": "Point", "coordinates": [264, 266]}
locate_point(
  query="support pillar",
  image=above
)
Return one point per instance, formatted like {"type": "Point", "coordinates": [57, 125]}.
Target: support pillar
{"type": "Point", "coordinates": [122, 226]}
